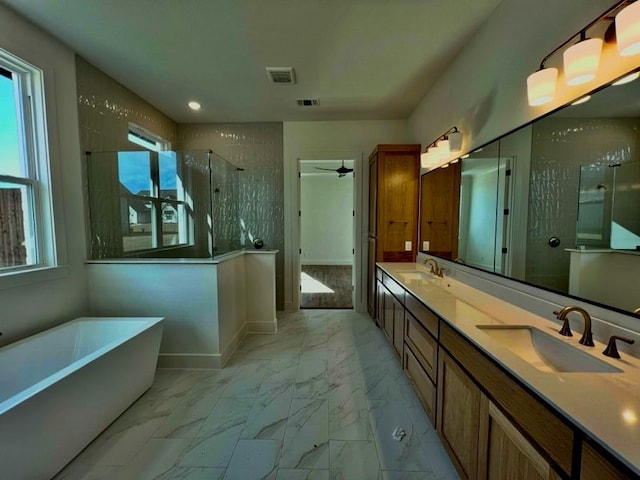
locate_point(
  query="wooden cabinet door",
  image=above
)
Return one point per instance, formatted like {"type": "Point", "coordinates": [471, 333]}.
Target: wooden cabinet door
{"type": "Point", "coordinates": [596, 467]}
{"type": "Point", "coordinates": [397, 206]}
{"type": "Point", "coordinates": [379, 303]}
{"type": "Point", "coordinates": [439, 210]}
{"type": "Point", "coordinates": [504, 453]}
{"type": "Point", "coordinates": [398, 327]}
{"type": "Point", "coordinates": [371, 278]}
{"type": "Point", "coordinates": [388, 314]}
{"type": "Point", "coordinates": [373, 196]}
{"type": "Point", "coordinates": [458, 416]}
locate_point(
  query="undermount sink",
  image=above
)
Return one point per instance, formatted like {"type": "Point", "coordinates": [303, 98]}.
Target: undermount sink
{"type": "Point", "coordinates": [545, 352]}
{"type": "Point", "coordinates": [409, 275]}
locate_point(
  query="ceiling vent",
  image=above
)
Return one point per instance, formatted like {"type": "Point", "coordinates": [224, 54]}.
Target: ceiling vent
{"type": "Point", "coordinates": [281, 75]}
{"type": "Point", "coordinates": [307, 102]}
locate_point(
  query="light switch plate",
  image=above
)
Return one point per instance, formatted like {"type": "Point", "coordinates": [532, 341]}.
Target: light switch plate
{"type": "Point", "coordinates": [425, 245]}
{"type": "Point", "coordinates": [407, 246]}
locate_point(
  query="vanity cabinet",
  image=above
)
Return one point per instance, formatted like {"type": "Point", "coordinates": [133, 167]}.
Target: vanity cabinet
{"type": "Point", "coordinates": [394, 172]}
{"type": "Point", "coordinates": [595, 466]}
{"type": "Point", "coordinates": [491, 425]}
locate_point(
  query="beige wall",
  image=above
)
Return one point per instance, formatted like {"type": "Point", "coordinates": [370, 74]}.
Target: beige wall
{"type": "Point", "coordinates": [34, 301]}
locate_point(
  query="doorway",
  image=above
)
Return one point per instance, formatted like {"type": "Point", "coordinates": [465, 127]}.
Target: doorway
{"type": "Point", "coordinates": [327, 233]}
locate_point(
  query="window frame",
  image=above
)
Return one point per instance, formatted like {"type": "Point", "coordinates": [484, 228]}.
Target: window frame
{"type": "Point", "coordinates": [31, 117]}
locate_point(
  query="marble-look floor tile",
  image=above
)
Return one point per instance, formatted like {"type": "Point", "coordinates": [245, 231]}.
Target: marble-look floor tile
{"type": "Point", "coordinates": [218, 436]}
{"type": "Point", "coordinates": [348, 414]}
{"type": "Point", "coordinates": [353, 459]}
{"type": "Point", "coordinates": [189, 415]}
{"type": "Point", "coordinates": [268, 417]}
{"type": "Point", "coordinates": [405, 455]}
{"type": "Point", "coordinates": [295, 474]}
{"type": "Point", "coordinates": [306, 442]}
{"type": "Point", "coordinates": [395, 475]}
{"type": "Point", "coordinates": [254, 460]}
{"type": "Point", "coordinates": [197, 473]}
{"type": "Point", "coordinates": [77, 471]}
{"type": "Point", "coordinates": [156, 460]}
{"type": "Point", "coordinates": [439, 461]}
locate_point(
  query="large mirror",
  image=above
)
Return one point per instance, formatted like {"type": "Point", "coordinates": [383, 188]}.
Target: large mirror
{"type": "Point", "coordinates": [555, 204]}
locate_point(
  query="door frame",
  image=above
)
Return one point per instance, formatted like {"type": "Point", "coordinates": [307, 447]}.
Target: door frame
{"type": "Point", "coordinates": [361, 212]}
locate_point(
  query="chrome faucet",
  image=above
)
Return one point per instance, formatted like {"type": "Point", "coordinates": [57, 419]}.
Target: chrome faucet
{"type": "Point", "coordinates": [637, 311]}
{"type": "Point", "coordinates": [435, 268]}
{"type": "Point", "coordinates": [587, 338]}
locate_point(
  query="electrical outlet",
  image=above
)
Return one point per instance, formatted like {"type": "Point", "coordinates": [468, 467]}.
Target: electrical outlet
{"type": "Point", "coordinates": [425, 245]}
{"type": "Point", "coordinates": [407, 246]}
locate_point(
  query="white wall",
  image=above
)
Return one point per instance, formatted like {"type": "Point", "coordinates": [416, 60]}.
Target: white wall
{"type": "Point", "coordinates": [328, 141]}
{"type": "Point", "coordinates": [483, 92]}
{"type": "Point", "coordinates": [32, 302]}
{"type": "Point", "coordinates": [326, 203]}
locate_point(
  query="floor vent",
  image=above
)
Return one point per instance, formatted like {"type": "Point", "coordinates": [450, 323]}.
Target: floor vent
{"type": "Point", "coordinates": [281, 75]}
{"type": "Point", "coordinates": [307, 102]}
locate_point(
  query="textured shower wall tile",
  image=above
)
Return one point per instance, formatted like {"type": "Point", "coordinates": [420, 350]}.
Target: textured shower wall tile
{"type": "Point", "coordinates": [559, 147]}
{"type": "Point", "coordinates": [259, 188]}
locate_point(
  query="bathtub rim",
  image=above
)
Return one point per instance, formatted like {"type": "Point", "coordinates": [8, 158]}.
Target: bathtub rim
{"type": "Point", "coordinates": [24, 395]}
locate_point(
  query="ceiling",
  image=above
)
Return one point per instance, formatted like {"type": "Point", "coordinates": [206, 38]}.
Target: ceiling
{"type": "Point", "coordinates": [362, 59]}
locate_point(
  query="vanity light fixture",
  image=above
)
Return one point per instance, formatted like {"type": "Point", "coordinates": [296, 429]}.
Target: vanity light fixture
{"type": "Point", "coordinates": [584, 99]}
{"type": "Point", "coordinates": [628, 30]}
{"type": "Point", "coordinates": [193, 105]}
{"type": "Point", "coordinates": [438, 152]}
{"type": "Point", "coordinates": [627, 79]}
{"type": "Point", "coordinates": [582, 58]}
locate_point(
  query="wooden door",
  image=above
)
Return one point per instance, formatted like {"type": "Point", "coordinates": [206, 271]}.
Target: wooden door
{"type": "Point", "coordinates": [458, 416]}
{"type": "Point", "coordinates": [504, 452]}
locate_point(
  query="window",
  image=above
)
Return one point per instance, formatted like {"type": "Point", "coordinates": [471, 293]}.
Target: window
{"type": "Point", "coordinates": [26, 223]}
{"type": "Point", "coordinates": [154, 210]}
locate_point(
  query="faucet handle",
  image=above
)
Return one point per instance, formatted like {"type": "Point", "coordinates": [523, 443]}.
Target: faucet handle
{"type": "Point", "coordinates": [612, 348]}
{"type": "Point", "coordinates": [566, 329]}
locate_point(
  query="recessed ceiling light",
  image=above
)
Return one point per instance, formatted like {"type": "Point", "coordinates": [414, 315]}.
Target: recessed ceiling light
{"type": "Point", "coordinates": [586, 98]}
{"type": "Point", "coordinates": [193, 105]}
{"type": "Point", "coordinates": [627, 78]}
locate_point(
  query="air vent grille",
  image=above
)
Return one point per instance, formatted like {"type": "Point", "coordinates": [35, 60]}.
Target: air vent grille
{"type": "Point", "coordinates": [281, 75]}
{"type": "Point", "coordinates": [307, 102]}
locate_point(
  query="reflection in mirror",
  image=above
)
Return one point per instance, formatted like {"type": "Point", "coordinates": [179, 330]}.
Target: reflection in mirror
{"type": "Point", "coordinates": [625, 224]}
{"type": "Point", "coordinates": [553, 203]}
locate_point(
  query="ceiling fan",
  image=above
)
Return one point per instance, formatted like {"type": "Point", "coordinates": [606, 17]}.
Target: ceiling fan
{"type": "Point", "coordinates": [342, 171]}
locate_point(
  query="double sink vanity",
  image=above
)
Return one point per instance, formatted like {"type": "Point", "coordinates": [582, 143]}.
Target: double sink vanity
{"type": "Point", "coordinates": [510, 396]}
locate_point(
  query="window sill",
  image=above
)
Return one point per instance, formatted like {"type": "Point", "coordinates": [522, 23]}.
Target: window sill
{"type": "Point", "coordinates": [23, 278]}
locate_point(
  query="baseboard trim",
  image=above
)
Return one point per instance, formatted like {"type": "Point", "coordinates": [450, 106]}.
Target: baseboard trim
{"type": "Point", "coordinates": [232, 346]}
{"type": "Point", "coordinates": [190, 360]}
{"type": "Point", "coordinates": [263, 327]}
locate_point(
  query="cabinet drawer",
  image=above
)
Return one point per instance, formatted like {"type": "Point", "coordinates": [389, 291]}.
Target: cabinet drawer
{"type": "Point", "coordinates": [426, 317]}
{"type": "Point", "coordinates": [394, 287]}
{"type": "Point", "coordinates": [423, 345]}
{"type": "Point", "coordinates": [425, 387]}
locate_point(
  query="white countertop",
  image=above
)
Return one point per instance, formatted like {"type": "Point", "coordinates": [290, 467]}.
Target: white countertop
{"type": "Point", "coordinates": [606, 406]}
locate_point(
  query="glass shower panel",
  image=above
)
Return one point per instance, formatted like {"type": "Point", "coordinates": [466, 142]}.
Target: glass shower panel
{"type": "Point", "coordinates": [149, 204]}
{"type": "Point", "coordinates": [227, 229]}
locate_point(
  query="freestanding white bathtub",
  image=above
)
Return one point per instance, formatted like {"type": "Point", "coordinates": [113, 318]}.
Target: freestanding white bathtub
{"type": "Point", "coordinates": [60, 388]}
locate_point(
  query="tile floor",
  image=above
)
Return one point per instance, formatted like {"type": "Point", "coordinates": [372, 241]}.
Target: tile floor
{"type": "Point", "coordinates": [317, 401]}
